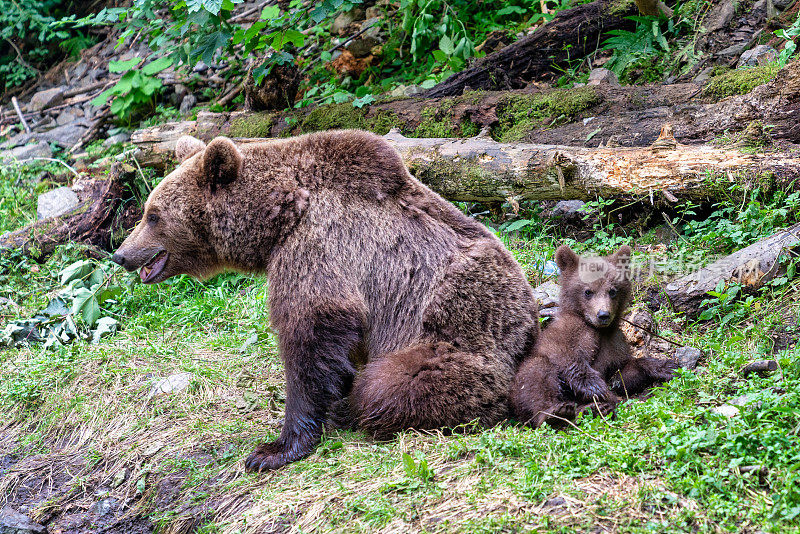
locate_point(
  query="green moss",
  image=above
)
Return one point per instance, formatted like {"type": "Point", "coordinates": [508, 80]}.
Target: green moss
{"type": "Point", "coordinates": [256, 125]}
{"type": "Point", "coordinates": [431, 126]}
{"type": "Point", "coordinates": [519, 114]}
{"type": "Point", "coordinates": [740, 81]}
{"type": "Point", "coordinates": [344, 115]}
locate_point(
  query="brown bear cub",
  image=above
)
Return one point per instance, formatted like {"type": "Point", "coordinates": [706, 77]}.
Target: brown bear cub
{"type": "Point", "coordinates": [583, 350]}
{"type": "Point", "coordinates": [388, 302]}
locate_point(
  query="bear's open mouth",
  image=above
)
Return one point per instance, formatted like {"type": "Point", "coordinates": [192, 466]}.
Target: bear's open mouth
{"type": "Point", "coordinates": [154, 267]}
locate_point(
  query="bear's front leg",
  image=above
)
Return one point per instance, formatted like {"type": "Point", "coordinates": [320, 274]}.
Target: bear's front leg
{"type": "Point", "coordinates": [586, 383]}
{"type": "Point", "coordinates": [318, 373]}
{"type": "Point", "coordinates": [641, 373]}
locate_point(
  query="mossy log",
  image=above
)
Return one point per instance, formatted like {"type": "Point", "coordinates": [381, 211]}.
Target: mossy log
{"type": "Point", "coordinates": [481, 169]}
{"type": "Point", "coordinates": [573, 33]}
{"type": "Point", "coordinates": [750, 267]}
{"type": "Point", "coordinates": [105, 212]}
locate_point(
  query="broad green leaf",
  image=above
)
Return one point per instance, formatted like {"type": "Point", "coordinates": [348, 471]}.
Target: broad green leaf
{"type": "Point", "coordinates": [123, 66]}
{"type": "Point", "coordinates": [157, 66]}
{"type": "Point", "coordinates": [409, 465]}
{"type": "Point", "coordinates": [74, 271]}
{"type": "Point", "coordinates": [446, 45]}
{"type": "Point", "coordinates": [106, 326]}
{"type": "Point", "coordinates": [516, 225]}
{"type": "Point", "coordinates": [270, 12]}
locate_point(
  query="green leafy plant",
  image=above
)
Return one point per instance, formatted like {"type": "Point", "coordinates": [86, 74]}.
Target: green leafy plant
{"type": "Point", "coordinates": [629, 47]}
{"type": "Point", "coordinates": [789, 47]}
{"type": "Point", "coordinates": [77, 312]}
{"type": "Point", "coordinates": [136, 89]}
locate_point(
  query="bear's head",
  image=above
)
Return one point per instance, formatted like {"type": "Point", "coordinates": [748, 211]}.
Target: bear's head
{"type": "Point", "coordinates": [598, 288]}
{"type": "Point", "coordinates": [176, 235]}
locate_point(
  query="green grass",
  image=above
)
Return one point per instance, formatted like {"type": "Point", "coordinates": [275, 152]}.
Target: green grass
{"type": "Point", "coordinates": [665, 464]}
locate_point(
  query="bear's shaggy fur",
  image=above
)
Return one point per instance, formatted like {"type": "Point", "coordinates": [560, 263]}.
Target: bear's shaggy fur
{"type": "Point", "coordinates": [388, 302]}
{"type": "Point", "coordinates": [583, 351]}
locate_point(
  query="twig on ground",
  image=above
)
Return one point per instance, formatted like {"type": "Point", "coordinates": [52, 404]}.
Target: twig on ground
{"type": "Point", "coordinates": [20, 115]}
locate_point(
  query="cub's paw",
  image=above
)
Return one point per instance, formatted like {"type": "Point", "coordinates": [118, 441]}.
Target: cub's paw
{"type": "Point", "coordinates": [602, 408]}
{"type": "Point", "coordinates": [269, 456]}
{"type": "Point", "coordinates": [661, 370]}
{"type": "Point", "coordinates": [556, 416]}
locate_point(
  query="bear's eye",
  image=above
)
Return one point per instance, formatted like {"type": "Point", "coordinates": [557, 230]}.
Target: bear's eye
{"type": "Point", "coordinates": [153, 218]}
{"type": "Point", "coordinates": [612, 292]}
{"type": "Point", "coordinates": [588, 293]}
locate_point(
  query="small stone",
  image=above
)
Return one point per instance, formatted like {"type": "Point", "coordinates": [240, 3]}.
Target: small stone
{"type": "Point", "coordinates": [687, 357]}
{"type": "Point", "coordinates": [117, 139]}
{"type": "Point", "coordinates": [758, 55]}
{"type": "Point", "coordinates": [726, 410]}
{"type": "Point", "coordinates": [56, 202]}
{"type": "Point", "coordinates": [171, 384]}
{"type": "Point", "coordinates": [188, 102]}
{"type": "Point", "coordinates": [343, 20]}
{"type": "Point", "coordinates": [373, 12]}
{"type": "Point", "coordinates": [13, 522]}
{"type": "Point", "coordinates": [105, 507]}
{"type": "Point", "coordinates": [23, 153]}
{"type": "Point", "coordinates": [603, 76]}
{"type": "Point", "coordinates": [704, 75]}
{"type": "Point", "coordinates": [555, 501]}
{"type": "Point", "coordinates": [46, 99]}
{"type": "Point", "coordinates": [362, 47]}
{"type": "Point", "coordinates": [119, 477]}
{"type": "Point", "coordinates": [68, 115]}
{"type": "Point", "coordinates": [67, 135]}
{"type": "Point", "coordinates": [200, 67]}
{"type": "Point", "coordinates": [153, 448]}
{"type": "Point", "coordinates": [568, 209]}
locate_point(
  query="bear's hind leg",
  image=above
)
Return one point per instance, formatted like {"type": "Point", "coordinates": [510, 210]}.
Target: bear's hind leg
{"type": "Point", "coordinates": [428, 386]}
{"type": "Point", "coordinates": [641, 373]}
{"type": "Point", "coordinates": [318, 373]}
{"type": "Point", "coordinates": [535, 396]}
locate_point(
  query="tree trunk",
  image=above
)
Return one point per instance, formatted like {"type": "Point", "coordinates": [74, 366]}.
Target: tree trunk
{"type": "Point", "coordinates": [480, 169]}
{"type": "Point", "coordinates": [573, 33]}
{"type": "Point", "coordinates": [106, 211]}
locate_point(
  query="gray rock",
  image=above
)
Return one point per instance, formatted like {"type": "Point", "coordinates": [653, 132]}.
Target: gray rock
{"type": "Point", "coordinates": [171, 384]}
{"type": "Point", "coordinates": [547, 294]}
{"type": "Point", "coordinates": [119, 477]}
{"type": "Point", "coordinates": [56, 202]}
{"type": "Point", "coordinates": [79, 70]}
{"type": "Point", "coordinates": [567, 208]}
{"type": "Point", "coordinates": [704, 75]}
{"type": "Point", "coordinates": [603, 76]}
{"type": "Point", "coordinates": [343, 20]}
{"type": "Point", "coordinates": [734, 50]}
{"type": "Point", "coordinates": [69, 115]}
{"type": "Point", "coordinates": [758, 55]}
{"type": "Point", "coordinates": [200, 67]}
{"type": "Point", "coordinates": [97, 73]}
{"type": "Point", "coordinates": [46, 99]}
{"type": "Point", "coordinates": [374, 30]}
{"type": "Point", "coordinates": [188, 102]}
{"type": "Point", "coordinates": [726, 410]}
{"type": "Point", "coordinates": [13, 522]}
{"type": "Point", "coordinates": [688, 356]}
{"type": "Point", "coordinates": [105, 507]}
{"type": "Point", "coordinates": [26, 152]}
{"type": "Point", "coordinates": [362, 47]}
{"type": "Point", "coordinates": [117, 139]}
{"type": "Point", "coordinates": [66, 135]}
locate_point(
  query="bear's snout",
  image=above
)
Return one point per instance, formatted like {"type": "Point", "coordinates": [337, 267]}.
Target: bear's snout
{"type": "Point", "coordinates": [603, 317]}
{"type": "Point", "coordinates": [118, 258]}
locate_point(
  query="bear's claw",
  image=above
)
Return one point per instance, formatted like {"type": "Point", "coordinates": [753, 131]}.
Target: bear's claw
{"type": "Point", "coordinates": [270, 456]}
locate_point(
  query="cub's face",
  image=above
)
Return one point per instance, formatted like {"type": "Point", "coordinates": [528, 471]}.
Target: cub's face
{"type": "Point", "coordinates": [598, 289]}
{"type": "Point", "coordinates": [172, 238]}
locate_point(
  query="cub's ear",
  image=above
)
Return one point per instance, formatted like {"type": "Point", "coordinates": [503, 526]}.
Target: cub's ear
{"type": "Point", "coordinates": [187, 146]}
{"type": "Point", "coordinates": [222, 163]}
{"type": "Point", "coordinates": [566, 259]}
{"type": "Point", "coordinates": [622, 256]}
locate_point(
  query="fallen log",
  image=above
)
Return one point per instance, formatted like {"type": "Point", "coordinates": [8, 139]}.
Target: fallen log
{"type": "Point", "coordinates": [573, 33]}
{"type": "Point", "coordinates": [750, 267]}
{"type": "Point", "coordinates": [105, 212]}
{"type": "Point", "coordinates": [481, 169]}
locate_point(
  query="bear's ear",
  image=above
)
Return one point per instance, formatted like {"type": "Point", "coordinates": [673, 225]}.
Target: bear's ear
{"type": "Point", "coordinates": [566, 259]}
{"type": "Point", "coordinates": [622, 256]}
{"type": "Point", "coordinates": [222, 163]}
{"type": "Point", "coordinates": [187, 146]}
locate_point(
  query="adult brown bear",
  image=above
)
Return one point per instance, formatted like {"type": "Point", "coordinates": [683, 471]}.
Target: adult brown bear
{"type": "Point", "coordinates": [384, 296]}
